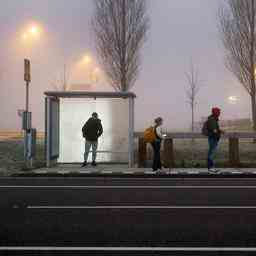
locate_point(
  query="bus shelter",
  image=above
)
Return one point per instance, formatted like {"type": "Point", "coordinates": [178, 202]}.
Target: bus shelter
{"type": "Point", "coordinates": [65, 115]}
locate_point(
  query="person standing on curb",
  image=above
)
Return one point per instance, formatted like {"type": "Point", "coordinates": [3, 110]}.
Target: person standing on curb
{"type": "Point", "coordinates": [91, 130]}
{"type": "Point", "coordinates": [214, 133]}
{"type": "Point", "coordinates": [156, 144]}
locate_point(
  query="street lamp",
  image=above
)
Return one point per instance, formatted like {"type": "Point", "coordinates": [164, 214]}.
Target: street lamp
{"type": "Point", "coordinates": [87, 60]}
{"type": "Point", "coordinates": [87, 65]}
{"type": "Point", "coordinates": [29, 35]}
{"type": "Point", "coordinates": [25, 36]}
{"type": "Point", "coordinates": [233, 99]}
{"type": "Point", "coordinates": [31, 32]}
{"type": "Point", "coordinates": [34, 30]}
{"type": "Point", "coordinates": [87, 70]}
{"type": "Point", "coordinates": [96, 74]}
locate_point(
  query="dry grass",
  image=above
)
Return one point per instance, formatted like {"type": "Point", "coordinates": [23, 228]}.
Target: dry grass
{"type": "Point", "coordinates": [11, 153]}
{"type": "Point", "coordinates": [187, 153]}
{"type": "Point", "coordinates": [9, 136]}
{"type": "Point", "coordinates": [194, 153]}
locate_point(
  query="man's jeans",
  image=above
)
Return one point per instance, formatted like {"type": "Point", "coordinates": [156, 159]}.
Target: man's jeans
{"type": "Point", "coordinates": [157, 158]}
{"type": "Point", "coordinates": [213, 144]}
{"type": "Point", "coordinates": [88, 145]}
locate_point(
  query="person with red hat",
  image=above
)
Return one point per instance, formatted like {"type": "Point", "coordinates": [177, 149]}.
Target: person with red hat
{"type": "Point", "coordinates": [214, 134]}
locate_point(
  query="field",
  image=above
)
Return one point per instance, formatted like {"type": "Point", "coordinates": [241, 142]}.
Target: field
{"type": "Point", "coordinates": [187, 153]}
{"type": "Point", "coordinates": [11, 152]}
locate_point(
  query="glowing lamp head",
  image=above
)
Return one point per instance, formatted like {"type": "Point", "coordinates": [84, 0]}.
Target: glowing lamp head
{"type": "Point", "coordinates": [232, 99]}
{"type": "Point", "coordinates": [34, 30]}
{"type": "Point", "coordinates": [87, 59]}
{"type": "Point", "coordinates": [24, 36]}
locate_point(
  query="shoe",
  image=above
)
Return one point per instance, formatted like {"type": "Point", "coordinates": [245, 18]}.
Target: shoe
{"type": "Point", "coordinates": [94, 163]}
{"type": "Point", "coordinates": [213, 170]}
{"type": "Point", "coordinates": [84, 164]}
{"type": "Point", "coordinates": [160, 171]}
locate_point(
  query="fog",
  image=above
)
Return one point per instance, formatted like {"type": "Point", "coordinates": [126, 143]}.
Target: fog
{"type": "Point", "coordinates": [180, 31]}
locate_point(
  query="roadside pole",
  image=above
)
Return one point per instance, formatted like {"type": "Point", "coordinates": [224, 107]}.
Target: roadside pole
{"type": "Point", "coordinates": [27, 116]}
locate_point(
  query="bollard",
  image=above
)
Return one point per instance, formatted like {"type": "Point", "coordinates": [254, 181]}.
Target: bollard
{"type": "Point", "coordinates": [168, 156]}
{"type": "Point", "coordinates": [142, 152]}
{"type": "Point", "coordinates": [234, 160]}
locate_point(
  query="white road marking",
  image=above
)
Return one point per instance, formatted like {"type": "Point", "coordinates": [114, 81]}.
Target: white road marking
{"type": "Point", "coordinates": [138, 207]}
{"type": "Point", "coordinates": [156, 249]}
{"type": "Point", "coordinates": [131, 187]}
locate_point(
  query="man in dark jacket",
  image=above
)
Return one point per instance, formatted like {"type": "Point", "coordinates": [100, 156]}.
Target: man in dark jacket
{"type": "Point", "coordinates": [92, 130]}
{"type": "Point", "coordinates": [214, 134]}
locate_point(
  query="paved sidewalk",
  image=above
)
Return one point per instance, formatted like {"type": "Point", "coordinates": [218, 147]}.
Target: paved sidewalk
{"type": "Point", "coordinates": [124, 170]}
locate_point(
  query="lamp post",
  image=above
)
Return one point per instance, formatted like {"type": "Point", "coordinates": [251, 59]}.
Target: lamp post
{"type": "Point", "coordinates": [96, 74]}
{"type": "Point", "coordinates": [92, 71]}
{"type": "Point", "coordinates": [27, 117]}
{"type": "Point", "coordinates": [30, 34]}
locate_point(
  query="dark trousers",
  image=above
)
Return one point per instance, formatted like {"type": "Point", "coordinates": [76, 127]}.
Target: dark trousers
{"type": "Point", "coordinates": [213, 144]}
{"type": "Point", "coordinates": [157, 158]}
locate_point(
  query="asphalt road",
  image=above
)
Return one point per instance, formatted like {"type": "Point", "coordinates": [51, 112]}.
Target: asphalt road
{"type": "Point", "coordinates": [127, 216]}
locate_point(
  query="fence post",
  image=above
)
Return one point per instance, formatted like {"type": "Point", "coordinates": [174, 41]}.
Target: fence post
{"type": "Point", "coordinates": [234, 160]}
{"type": "Point", "coordinates": [142, 152]}
{"type": "Point", "coordinates": [168, 153]}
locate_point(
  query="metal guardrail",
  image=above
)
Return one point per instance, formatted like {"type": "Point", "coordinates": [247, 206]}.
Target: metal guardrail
{"type": "Point", "coordinates": [197, 135]}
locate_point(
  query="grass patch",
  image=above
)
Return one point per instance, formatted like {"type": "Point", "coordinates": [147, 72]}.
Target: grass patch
{"type": "Point", "coordinates": [12, 156]}
{"type": "Point", "coordinates": [193, 153]}
{"type": "Point", "coordinates": [187, 154]}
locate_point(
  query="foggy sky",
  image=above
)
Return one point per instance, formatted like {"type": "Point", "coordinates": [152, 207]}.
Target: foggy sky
{"type": "Point", "coordinates": [181, 30]}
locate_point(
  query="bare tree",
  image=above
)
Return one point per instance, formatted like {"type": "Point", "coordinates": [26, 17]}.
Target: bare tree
{"type": "Point", "coordinates": [237, 30]}
{"type": "Point", "coordinates": [120, 28]}
{"type": "Point", "coordinates": [60, 83]}
{"type": "Point", "coordinates": [192, 91]}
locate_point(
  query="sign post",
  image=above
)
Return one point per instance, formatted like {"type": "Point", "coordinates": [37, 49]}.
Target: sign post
{"type": "Point", "coordinates": [27, 116]}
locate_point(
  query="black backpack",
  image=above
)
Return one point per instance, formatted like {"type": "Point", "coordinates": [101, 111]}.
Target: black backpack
{"type": "Point", "coordinates": [205, 130]}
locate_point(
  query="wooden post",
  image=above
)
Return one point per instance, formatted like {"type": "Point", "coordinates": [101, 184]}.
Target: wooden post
{"type": "Point", "coordinates": [142, 151]}
{"type": "Point", "coordinates": [234, 160]}
{"type": "Point", "coordinates": [131, 132]}
{"type": "Point", "coordinates": [168, 153]}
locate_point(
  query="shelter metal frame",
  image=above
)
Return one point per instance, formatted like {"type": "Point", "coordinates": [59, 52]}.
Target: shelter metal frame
{"type": "Point", "coordinates": [52, 120]}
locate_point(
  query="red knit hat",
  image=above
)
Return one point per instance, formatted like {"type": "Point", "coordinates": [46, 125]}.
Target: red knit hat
{"type": "Point", "coordinates": [216, 111]}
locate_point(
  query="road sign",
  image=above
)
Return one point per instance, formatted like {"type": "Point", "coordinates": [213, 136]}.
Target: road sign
{"type": "Point", "coordinates": [32, 143]}
{"type": "Point", "coordinates": [27, 76]}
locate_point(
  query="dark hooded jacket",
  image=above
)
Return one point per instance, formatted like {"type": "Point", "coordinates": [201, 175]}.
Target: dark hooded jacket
{"type": "Point", "coordinates": [213, 124]}
{"type": "Point", "coordinates": [92, 129]}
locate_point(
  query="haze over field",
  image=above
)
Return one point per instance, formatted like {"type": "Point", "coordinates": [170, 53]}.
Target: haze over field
{"type": "Point", "coordinates": [181, 30]}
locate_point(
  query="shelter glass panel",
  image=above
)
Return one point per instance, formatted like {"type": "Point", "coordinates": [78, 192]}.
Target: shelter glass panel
{"type": "Point", "coordinates": [114, 115]}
